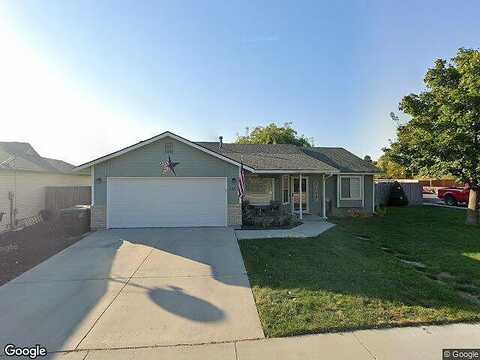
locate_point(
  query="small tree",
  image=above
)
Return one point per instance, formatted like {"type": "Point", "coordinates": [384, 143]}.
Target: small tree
{"type": "Point", "coordinates": [443, 135]}
{"type": "Point", "coordinates": [397, 196]}
{"type": "Point", "coordinates": [272, 134]}
{"type": "Point", "coordinates": [391, 169]}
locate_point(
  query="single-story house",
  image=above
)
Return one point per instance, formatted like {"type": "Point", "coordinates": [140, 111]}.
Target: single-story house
{"type": "Point", "coordinates": [24, 177]}
{"type": "Point", "coordinates": [170, 181]}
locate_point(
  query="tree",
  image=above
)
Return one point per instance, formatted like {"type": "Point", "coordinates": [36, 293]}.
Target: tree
{"type": "Point", "coordinates": [443, 134]}
{"type": "Point", "coordinates": [272, 134]}
{"type": "Point", "coordinates": [391, 169]}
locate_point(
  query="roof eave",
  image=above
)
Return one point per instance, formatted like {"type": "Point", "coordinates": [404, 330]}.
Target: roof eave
{"type": "Point", "coordinates": [295, 171]}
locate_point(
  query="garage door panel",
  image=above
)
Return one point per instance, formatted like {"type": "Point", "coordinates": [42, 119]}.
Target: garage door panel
{"type": "Point", "coordinates": [166, 202]}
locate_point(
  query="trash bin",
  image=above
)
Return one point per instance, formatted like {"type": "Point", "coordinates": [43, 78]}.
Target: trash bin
{"type": "Point", "coordinates": [76, 219]}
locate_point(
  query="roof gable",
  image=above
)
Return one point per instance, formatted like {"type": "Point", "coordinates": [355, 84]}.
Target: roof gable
{"type": "Point", "coordinates": [154, 139]}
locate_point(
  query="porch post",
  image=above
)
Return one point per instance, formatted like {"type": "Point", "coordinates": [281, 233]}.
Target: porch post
{"type": "Point", "coordinates": [290, 189]}
{"type": "Point", "coordinates": [324, 210]}
{"type": "Point", "coordinates": [301, 207]}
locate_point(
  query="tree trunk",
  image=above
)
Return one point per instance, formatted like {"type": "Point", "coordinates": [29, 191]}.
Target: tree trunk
{"type": "Point", "coordinates": [472, 211]}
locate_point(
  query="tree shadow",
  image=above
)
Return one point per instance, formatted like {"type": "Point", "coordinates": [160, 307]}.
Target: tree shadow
{"type": "Point", "coordinates": [176, 301]}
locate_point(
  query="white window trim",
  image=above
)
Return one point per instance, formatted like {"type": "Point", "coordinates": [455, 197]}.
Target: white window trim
{"type": "Point", "coordinates": [288, 188]}
{"type": "Point", "coordinates": [339, 187]}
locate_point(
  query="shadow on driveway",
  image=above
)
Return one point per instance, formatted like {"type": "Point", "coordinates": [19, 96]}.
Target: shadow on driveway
{"type": "Point", "coordinates": [110, 279]}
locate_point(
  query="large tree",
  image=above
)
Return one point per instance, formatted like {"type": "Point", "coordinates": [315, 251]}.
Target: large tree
{"type": "Point", "coordinates": [443, 135]}
{"type": "Point", "coordinates": [273, 134]}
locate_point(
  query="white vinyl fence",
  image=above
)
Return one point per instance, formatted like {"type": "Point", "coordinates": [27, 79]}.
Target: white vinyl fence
{"type": "Point", "coordinates": [412, 188]}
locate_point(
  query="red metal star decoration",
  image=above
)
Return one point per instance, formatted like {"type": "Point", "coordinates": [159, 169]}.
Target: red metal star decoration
{"type": "Point", "coordinates": [169, 166]}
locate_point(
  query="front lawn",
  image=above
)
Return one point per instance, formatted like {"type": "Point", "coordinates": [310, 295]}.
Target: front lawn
{"type": "Point", "coordinates": [416, 265]}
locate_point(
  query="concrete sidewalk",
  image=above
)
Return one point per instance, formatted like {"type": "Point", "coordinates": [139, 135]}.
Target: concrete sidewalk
{"type": "Point", "coordinates": [306, 230]}
{"type": "Point", "coordinates": [423, 343]}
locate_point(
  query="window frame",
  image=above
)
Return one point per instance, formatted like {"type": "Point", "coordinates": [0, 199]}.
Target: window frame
{"type": "Point", "coordinates": [360, 178]}
{"type": "Point", "coordinates": [272, 179]}
{"type": "Point", "coordinates": [287, 189]}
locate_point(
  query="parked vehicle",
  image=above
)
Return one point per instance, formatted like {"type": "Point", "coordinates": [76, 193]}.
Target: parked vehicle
{"type": "Point", "coordinates": [454, 195]}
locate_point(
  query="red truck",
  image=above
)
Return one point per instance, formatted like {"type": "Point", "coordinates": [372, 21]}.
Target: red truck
{"type": "Point", "coordinates": [454, 195]}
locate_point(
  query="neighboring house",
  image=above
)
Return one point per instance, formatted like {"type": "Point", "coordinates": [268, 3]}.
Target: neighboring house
{"type": "Point", "coordinates": [24, 176]}
{"type": "Point", "coordinates": [132, 189]}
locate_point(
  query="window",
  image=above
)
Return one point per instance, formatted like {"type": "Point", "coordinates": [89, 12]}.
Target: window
{"type": "Point", "coordinates": [169, 148]}
{"type": "Point", "coordinates": [285, 187]}
{"type": "Point", "coordinates": [351, 188]}
{"type": "Point", "coordinates": [259, 190]}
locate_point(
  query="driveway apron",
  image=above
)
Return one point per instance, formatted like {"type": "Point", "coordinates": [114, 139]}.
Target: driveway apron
{"type": "Point", "coordinates": [133, 288]}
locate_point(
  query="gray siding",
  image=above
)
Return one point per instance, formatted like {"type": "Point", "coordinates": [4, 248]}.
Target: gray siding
{"type": "Point", "coordinates": [315, 204]}
{"type": "Point", "coordinates": [145, 162]}
{"type": "Point", "coordinates": [331, 194]}
{"type": "Point", "coordinates": [278, 187]}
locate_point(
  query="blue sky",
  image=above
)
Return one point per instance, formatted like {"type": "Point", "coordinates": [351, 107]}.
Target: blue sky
{"type": "Point", "coordinates": [88, 77]}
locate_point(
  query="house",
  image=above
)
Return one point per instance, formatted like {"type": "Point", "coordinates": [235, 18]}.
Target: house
{"type": "Point", "coordinates": [169, 181]}
{"type": "Point", "coordinates": [24, 176]}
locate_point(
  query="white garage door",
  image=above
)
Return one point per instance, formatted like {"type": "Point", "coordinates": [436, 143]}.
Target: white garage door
{"type": "Point", "coordinates": [166, 202]}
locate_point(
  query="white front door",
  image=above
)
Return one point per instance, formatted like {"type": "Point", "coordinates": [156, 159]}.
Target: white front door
{"type": "Point", "coordinates": [296, 194]}
{"type": "Point", "coordinates": [166, 202]}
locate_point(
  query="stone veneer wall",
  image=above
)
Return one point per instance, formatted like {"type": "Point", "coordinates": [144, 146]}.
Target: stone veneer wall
{"type": "Point", "coordinates": [234, 212]}
{"type": "Point", "coordinates": [98, 220]}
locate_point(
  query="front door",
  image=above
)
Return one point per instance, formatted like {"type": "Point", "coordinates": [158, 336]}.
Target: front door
{"type": "Point", "coordinates": [296, 194]}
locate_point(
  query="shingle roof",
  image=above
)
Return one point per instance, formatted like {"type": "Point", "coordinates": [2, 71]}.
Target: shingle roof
{"type": "Point", "coordinates": [269, 156]}
{"type": "Point", "coordinates": [22, 156]}
{"type": "Point", "coordinates": [264, 157]}
{"type": "Point", "coordinates": [341, 159]}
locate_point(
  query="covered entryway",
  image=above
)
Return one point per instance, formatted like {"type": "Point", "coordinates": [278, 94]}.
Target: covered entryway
{"type": "Point", "coordinates": [166, 202]}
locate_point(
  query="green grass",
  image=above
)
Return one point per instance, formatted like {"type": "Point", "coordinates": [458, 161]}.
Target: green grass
{"type": "Point", "coordinates": [338, 281]}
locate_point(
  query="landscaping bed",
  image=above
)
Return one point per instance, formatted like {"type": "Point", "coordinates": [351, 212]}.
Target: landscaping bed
{"type": "Point", "coordinates": [272, 227]}
{"type": "Point", "coordinates": [416, 265]}
{"type": "Point", "coordinates": [23, 249]}
{"type": "Point", "coordinates": [273, 216]}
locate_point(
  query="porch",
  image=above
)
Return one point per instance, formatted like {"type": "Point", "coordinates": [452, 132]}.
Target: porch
{"type": "Point", "coordinates": [297, 194]}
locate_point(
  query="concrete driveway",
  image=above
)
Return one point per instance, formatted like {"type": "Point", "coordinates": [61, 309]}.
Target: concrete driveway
{"type": "Point", "coordinates": [133, 288]}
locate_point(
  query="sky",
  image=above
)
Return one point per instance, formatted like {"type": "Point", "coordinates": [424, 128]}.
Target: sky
{"type": "Point", "coordinates": [79, 79]}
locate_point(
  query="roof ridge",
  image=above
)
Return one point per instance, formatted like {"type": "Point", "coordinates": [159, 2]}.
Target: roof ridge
{"type": "Point", "coordinates": [28, 158]}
